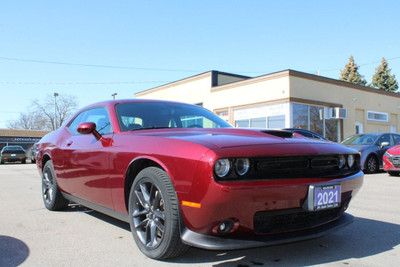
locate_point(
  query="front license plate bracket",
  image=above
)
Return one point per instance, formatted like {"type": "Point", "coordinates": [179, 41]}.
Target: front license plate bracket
{"type": "Point", "coordinates": [322, 197]}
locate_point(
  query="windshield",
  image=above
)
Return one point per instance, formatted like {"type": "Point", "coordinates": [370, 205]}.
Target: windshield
{"type": "Point", "coordinates": [361, 139]}
{"type": "Point", "coordinates": [13, 150]}
{"type": "Point", "coordinates": [155, 115]}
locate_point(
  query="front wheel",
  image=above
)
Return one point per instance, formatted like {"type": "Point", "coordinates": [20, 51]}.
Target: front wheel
{"type": "Point", "coordinates": [154, 215]}
{"type": "Point", "coordinates": [51, 194]}
{"type": "Point", "coordinates": [393, 173]}
{"type": "Point", "coordinates": [371, 164]}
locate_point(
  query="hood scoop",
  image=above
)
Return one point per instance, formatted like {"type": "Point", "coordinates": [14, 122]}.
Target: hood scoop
{"type": "Point", "coordinates": [281, 134]}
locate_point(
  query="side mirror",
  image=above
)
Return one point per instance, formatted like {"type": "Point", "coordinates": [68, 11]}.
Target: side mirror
{"type": "Point", "coordinates": [89, 128]}
{"type": "Point", "coordinates": [383, 144]}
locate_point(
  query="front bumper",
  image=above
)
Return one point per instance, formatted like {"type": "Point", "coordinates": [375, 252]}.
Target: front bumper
{"type": "Point", "coordinates": [219, 243]}
{"type": "Point", "coordinates": [275, 201]}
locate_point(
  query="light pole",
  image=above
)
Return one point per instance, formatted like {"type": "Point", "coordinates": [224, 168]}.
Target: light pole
{"type": "Point", "coordinates": [55, 107]}
{"type": "Point", "coordinates": [113, 95]}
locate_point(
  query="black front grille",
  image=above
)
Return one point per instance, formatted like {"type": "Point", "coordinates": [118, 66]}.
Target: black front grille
{"type": "Point", "coordinates": [396, 161]}
{"type": "Point", "coordinates": [301, 167]}
{"type": "Point", "coordinates": [270, 222]}
{"type": "Point", "coordinates": [294, 167]}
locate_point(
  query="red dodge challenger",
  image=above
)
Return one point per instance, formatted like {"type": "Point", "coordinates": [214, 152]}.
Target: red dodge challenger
{"type": "Point", "coordinates": [182, 176]}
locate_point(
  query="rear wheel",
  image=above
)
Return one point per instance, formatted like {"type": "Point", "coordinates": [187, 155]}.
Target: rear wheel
{"type": "Point", "coordinates": [371, 164]}
{"type": "Point", "coordinates": [51, 194]}
{"type": "Point", "coordinates": [154, 215]}
{"type": "Point", "coordinates": [392, 173]}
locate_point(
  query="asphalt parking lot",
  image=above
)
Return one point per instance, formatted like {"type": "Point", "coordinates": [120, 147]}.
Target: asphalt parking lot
{"type": "Point", "coordinates": [32, 236]}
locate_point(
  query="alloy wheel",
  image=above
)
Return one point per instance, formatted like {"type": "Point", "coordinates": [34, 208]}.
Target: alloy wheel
{"type": "Point", "coordinates": [48, 191]}
{"type": "Point", "coordinates": [371, 164]}
{"type": "Point", "coordinates": [149, 214]}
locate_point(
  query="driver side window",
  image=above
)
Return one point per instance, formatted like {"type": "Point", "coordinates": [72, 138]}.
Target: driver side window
{"type": "Point", "coordinates": [385, 138]}
{"type": "Point", "coordinates": [97, 115]}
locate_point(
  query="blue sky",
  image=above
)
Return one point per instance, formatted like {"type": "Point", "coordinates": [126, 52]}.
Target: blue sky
{"type": "Point", "coordinates": [123, 47]}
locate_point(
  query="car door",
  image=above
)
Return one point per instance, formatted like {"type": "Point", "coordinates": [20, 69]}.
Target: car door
{"type": "Point", "coordinates": [384, 138]}
{"type": "Point", "coordinates": [86, 159]}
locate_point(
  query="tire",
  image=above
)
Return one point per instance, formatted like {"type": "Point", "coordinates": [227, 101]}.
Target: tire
{"type": "Point", "coordinates": [371, 164]}
{"type": "Point", "coordinates": [24, 161]}
{"type": "Point", "coordinates": [392, 173]}
{"type": "Point", "coordinates": [51, 194]}
{"type": "Point", "coordinates": [154, 215]}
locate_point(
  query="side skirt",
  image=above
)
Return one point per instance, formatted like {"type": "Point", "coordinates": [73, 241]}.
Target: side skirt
{"type": "Point", "coordinates": [101, 209]}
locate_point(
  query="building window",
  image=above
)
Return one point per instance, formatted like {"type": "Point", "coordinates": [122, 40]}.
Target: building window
{"type": "Point", "coordinates": [331, 129]}
{"type": "Point", "coordinates": [258, 123]}
{"type": "Point", "coordinates": [252, 123]}
{"type": "Point", "coordinates": [312, 118]}
{"type": "Point", "coordinates": [316, 122]}
{"type": "Point", "coordinates": [242, 123]}
{"type": "Point", "coordinates": [261, 117]}
{"type": "Point", "coordinates": [377, 116]}
{"type": "Point", "coordinates": [300, 116]}
{"type": "Point", "coordinates": [276, 122]}
{"type": "Point", "coordinates": [224, 115]}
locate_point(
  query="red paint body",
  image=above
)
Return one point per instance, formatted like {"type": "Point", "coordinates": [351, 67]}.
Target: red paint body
{"type": "Point", "coordinates": [388, 161]}
{"type": "Point", "coordinates": [96, 170]}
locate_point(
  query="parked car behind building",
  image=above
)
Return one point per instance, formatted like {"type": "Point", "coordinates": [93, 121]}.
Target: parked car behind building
{"type": "Point", "coordinates": [13, 154]}
{"type": "Point", "coordinates": [372, 147]}
{"type": "Point", "coordinates": [306, 133]}
{"type": "Point", "coordinates": [33, 153]}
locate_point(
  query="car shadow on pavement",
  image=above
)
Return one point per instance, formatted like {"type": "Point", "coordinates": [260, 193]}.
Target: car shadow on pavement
{"type": "Point", "coordinates": [13, 252]}
{"type": "Point", "coordinates": [78, 208]}
{"type": "Point", "coordinates": [363, 238]}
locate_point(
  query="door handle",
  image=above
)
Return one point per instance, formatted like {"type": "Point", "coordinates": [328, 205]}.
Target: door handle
{"type": "Point", "coordinates": [69, 143]}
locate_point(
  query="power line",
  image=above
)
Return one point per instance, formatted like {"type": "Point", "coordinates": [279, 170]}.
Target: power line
{"type": "Point", "coordinates": [364, 64]}
{"type": "Point", "coordinates": [80, 83]}
{"type": "Point", "coordinates": [92, 65]}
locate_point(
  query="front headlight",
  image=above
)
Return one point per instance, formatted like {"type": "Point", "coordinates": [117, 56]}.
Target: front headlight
{"type": "Point", "coordinates": [242, 166]}
{"type": "Point", "coordinates": [222, 167]}
{"type": "Point", "coordinates": [342, 161]}
{"type": "Point", "coordinates": [387, 154]}
{"type": "Point", "coordinates": [351, 160]}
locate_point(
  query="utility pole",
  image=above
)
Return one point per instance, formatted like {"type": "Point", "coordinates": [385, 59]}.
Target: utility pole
{"type": "Point", "coordinates": [55, 110]}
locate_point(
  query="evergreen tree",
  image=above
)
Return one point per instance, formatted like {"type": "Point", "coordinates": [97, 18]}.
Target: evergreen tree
{"type": "Point", "coordinates": [383, 80]}
{"type": "Point", "coordinates": [350, 73]}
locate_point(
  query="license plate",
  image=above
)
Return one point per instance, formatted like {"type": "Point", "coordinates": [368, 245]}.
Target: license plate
{"type": "Point", "coordinates": [323, 197]}
{"type": "Point", "coordinates": [13, 155]}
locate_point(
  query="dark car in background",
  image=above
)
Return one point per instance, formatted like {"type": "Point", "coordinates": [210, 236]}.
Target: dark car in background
{"type": "Point", "coordinates": [33, 153]}
{"type": "Point", "coordinates": [372, 147]}
{"type": "Point", "coordinates": [306, 133]}
{"type": "Point", "coordinates": [13, 154]}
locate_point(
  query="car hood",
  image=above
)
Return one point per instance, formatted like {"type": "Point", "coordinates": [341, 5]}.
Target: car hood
{"type": "Point", "coordinates": [233, 137]}
{"type": "Point", "coordinates": [359, 148]}
{"type": "Point", "coordinates": [394, 150]}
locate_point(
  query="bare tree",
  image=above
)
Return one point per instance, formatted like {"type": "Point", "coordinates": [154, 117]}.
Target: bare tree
{"type": "Point", "coordinates": [30, 120]}
{"type": "Point", "coordinates": [40, 115]}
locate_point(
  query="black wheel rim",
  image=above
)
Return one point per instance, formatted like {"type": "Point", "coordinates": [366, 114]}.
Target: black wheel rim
{"type": "Point", "coordinates": [47, 186]}
{"type": "Point", "coordinates": [371, 164]}
{"type": "Point", "coordinates": [148, 214]}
